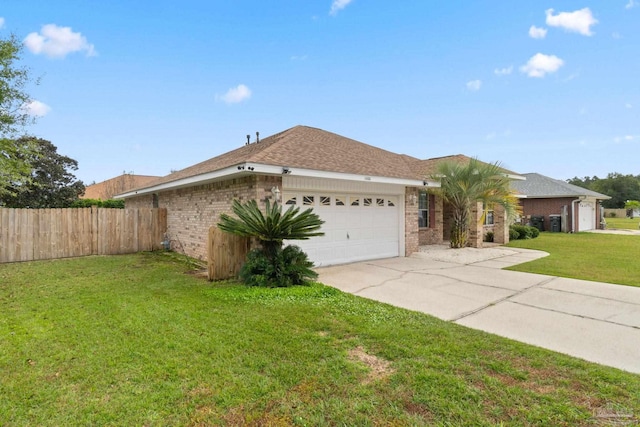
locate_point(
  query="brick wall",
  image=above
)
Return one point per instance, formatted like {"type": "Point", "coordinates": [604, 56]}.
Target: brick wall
{"type": "Point", "coordinates": [191, 211]}
{"type": "Point", "coordinates": [411, 229]}
{"type": "Point", "coordinates": [546, 207]}
{"type": "Point", "coordinates": [434, 234]}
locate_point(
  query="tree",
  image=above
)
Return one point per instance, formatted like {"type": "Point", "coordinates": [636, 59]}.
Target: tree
{"type": "Point", "coordinates": [462, 186]}
{"type": "Point", "coordinates": [52, 183]}
{"type": "Point", "coordinates": [14, 168]}
{"type": "Point", "coordinates": [619, 187]}
{"type": "Point", "coordinates": [271, 265]}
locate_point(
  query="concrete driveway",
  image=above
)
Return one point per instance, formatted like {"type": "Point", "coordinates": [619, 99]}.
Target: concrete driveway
{"type": "Point", "coordinates": [595, 321]}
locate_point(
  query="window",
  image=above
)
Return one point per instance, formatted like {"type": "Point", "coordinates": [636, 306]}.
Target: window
{"type": "Point", "coordinates": [340, 201]}
{"type": "Point", "coordinates": [380, 202]}
{"type": "Point", "coordinates": [367, 201]}
{"type": "Point", "coordinates": [488, 214]}
{"type": "Point", "coordinates": [308, 200]}
{"type": "Point", "coordinates": [325, 201]}
{"type": "Point", "coordinates": [355, 202]}
{"type": "Point", "coordinates": [423, 209]}
{"type": "Point", "coordinates": [291, 201]}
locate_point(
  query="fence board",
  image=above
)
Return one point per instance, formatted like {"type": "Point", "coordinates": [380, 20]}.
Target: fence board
{"type": "Point", "coordinates": [225, 254]}
{"type": "Point", "coordinates": [35, 234]}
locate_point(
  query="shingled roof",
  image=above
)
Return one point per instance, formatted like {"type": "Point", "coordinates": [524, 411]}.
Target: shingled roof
{"type": "Point", "coordinates": [539, 186]}
{"type": "Point", "coordinates": [303, 147]}
{"type": "Point", "coordinates": [429, 167]}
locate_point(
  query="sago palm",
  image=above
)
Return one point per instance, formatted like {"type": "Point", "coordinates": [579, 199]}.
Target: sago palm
{"type": "Point", "coordinates": [462, 185]}
{"type": "Point", "coordinates": [272, 227]}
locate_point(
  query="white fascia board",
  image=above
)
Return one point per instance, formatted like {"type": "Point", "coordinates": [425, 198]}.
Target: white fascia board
{"type": "Point", "coordinates": [227, 173]}
{"type": "Point", "coordinates": [311, 173]}
{"type": "Point", "coordinates": [516, 177]}
{"type": "Point", "coordinates": [244, 169]}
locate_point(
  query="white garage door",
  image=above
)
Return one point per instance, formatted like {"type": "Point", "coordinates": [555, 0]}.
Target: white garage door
{"type": "Point", "coordinates": [357, 227]}
{"type": "Point", "coordinates": [587, 216]}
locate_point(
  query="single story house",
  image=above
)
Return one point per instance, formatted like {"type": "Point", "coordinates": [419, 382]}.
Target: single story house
{"type": "Point", "coordinates": [375, 203]}
{"type": "Point", "coordinates": [577, 208]}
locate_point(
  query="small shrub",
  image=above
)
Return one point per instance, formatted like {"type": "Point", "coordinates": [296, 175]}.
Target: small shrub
{"type": "Point", "coordinates": [513, 234]}
{"type": "Point", "coordinates": [612, 214]}
{"type": "Point", "coordinates": [488, 237]}
{"type": "Point", "coordinates": [87, 203]}
{"type": "Point", "coordinates": [523, 232]}
{"type": "Point", "coordinates": [289, 267]}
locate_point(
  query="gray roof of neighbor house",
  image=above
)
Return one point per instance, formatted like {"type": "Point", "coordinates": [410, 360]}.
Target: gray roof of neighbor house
{"type": "Point", "coordinates": [539, 186]}
{"type": "Point", "coordinates": [304, 147]}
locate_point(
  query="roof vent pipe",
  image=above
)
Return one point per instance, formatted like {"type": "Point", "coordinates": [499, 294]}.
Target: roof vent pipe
{"type": "Point", "coordinates": [248, 140]}
{"type": "Point", "coordinates": [257, 137]}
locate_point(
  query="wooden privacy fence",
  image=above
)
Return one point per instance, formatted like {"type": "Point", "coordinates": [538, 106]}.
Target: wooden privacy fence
{"type": "Point", "coordinates": [225, 254]}
{"type": "Point", "coordinates": [35, 234]}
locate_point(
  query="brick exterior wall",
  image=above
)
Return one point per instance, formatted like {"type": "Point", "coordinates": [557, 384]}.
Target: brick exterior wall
{"type": "Point", "coordinates": [500, 225]}
{"type": "Point", "coordinates": [546, 207]}
{"type": "Point", "coordinates": [191, 211]}
{"type": "Point", "coordinates": [411, 229]}
{"type": "Point", "coordinates": [434, 234]}
{"type": "Point", "coordinates": [476, 228]}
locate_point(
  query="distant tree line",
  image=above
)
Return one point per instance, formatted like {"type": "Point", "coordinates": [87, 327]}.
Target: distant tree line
{"type": "Point", "coordinates": [617, 186]}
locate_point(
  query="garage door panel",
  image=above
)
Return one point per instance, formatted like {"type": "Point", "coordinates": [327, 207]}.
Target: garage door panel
{"type": "Point", "coordinates": [353, 231]}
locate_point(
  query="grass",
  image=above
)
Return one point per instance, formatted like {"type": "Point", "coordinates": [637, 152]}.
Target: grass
{"type": "Point", "coordinates": [623, 223]}
{"type": "Point", "coordinates": [607, 258]}
{"type": "Point", "coordinates": [136, 340]}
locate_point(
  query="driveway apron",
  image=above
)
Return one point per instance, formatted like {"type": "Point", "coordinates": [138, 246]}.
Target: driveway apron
{"type": "Point", "coordinates": [598, 322]}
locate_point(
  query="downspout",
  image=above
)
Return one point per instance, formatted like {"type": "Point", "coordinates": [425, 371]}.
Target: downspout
{"type": "Point", "coordinates": [573, 215]}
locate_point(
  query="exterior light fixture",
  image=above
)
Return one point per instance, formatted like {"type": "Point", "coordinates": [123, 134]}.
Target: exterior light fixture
{"type": "Point", "coordinates": [286, 170]}
{"type": "Point", "coordinates": [276, 193]}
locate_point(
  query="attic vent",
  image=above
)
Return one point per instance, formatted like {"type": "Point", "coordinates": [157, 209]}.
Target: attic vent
{"type": "Point", "coordinates": [257, 137]}
{"type": "Point", "coordinates": [248, 140]}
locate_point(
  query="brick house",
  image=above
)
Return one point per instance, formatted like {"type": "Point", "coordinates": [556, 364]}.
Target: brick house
{"type": "Point", "coordinates": [577, 208]}
{"type": "Point", "coordinates": [375, 203]}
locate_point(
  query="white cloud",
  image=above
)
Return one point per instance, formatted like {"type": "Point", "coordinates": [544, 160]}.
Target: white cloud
{"type": "Point", "coordinates": [631, 4]}
{"type": "Point", "coordinates": [616, 35]}
{"type": "Point", "coordinates": [236, 94]}
{"type": "Point", "coordinates": [503, 71]}
{"type": "Point", "coordinates": [338, 5]}
{"type": "Point", "coordinates": [628, 105]}
{"type": "Point", "coordinates": [474, 85]}
{"type": "Point", "coordinates": [626, 138]}
{"type": "Point", "coordinates": [537, 33]}
{"type": "Point", "coordinates": [540, 64]}
{"type": "Point", "coordinates": [579, 21]}
{"type": "Point", "coordinates": [299, 57]}
{"type": "Point", "coordinates": [36, 109]}
{"type": "Point", "coordinates": [58, 42]}
{"type": "Point", "coordinates": [1, 22]}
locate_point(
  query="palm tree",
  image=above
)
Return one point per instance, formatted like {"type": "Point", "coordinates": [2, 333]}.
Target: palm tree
{"type": "Point", "coordinates": [464, 185]}
{"type": "Point", "coordinates": [273, 227]}
{"type": "Point", "coordinates": [271, 265]}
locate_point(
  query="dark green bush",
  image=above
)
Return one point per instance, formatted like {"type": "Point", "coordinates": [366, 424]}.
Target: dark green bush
{"type": "Point", "coordinates": [488, 237]}
{"type": "Point", "coordinates": [87, 203]}
{"type": "Point", "coordinates": [521, 232]}
{"type": "Point", "coordinates": [289, 267]}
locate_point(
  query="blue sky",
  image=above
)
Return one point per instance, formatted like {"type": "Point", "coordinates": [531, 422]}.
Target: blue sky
{"type": "Point", "coordinates": [152, 86]}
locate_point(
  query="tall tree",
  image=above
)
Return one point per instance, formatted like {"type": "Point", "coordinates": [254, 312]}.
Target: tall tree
{"type": "Point", "coordinates": [52, 183]}
{"type": "Point", "coordinates": [14, 169]}
{"type": "Point", "coordinates": [619, 187]}
{"type": "Point", "coordinates": [462, 185]}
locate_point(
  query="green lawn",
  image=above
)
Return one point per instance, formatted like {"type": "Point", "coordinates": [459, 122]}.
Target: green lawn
{"type": "Point", "coordinates": [138, 341]}
{"type": "Point", "coordinates": [608, 258]}
{"type": "Point", "coordinates": [623, 223]}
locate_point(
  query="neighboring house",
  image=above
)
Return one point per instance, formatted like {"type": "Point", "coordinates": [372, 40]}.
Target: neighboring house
{"type": "Point", "coordinates": [106, 190]}
{"type": "Point", "coordinates": [374, 202]}
{"type": "Point", "coordinates": [578, 208]}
